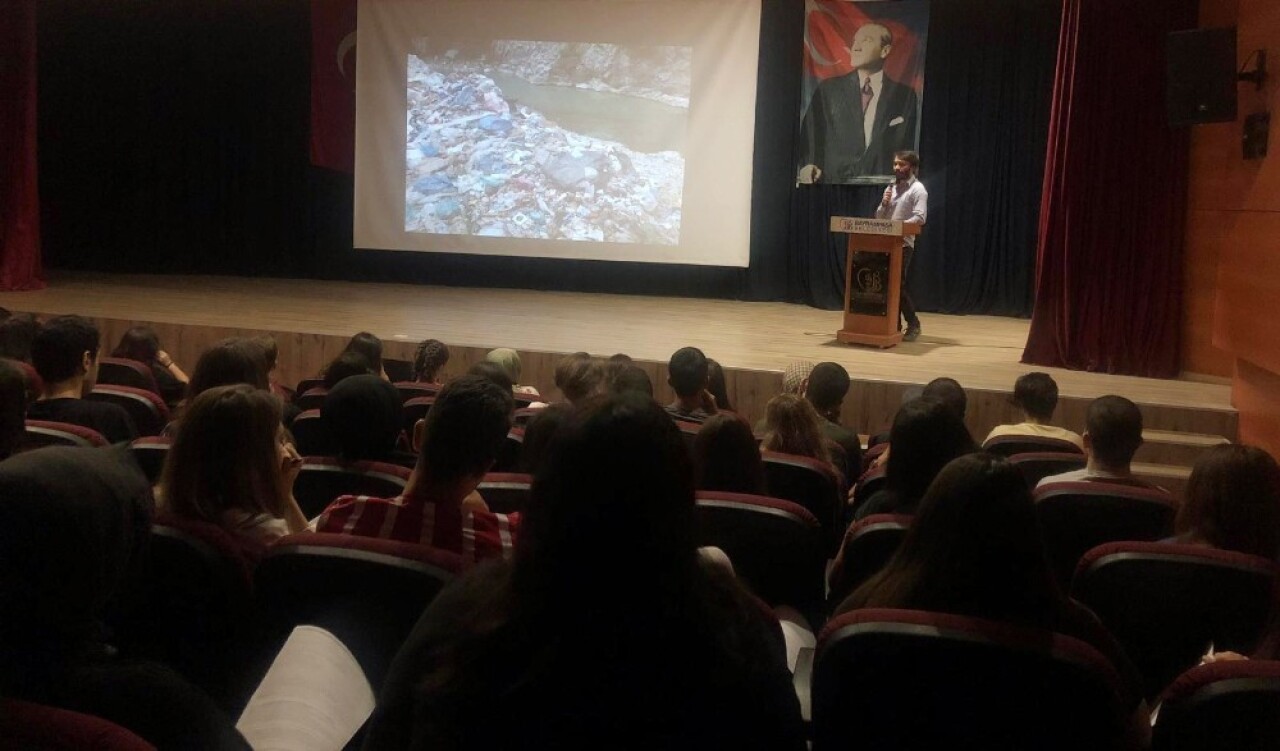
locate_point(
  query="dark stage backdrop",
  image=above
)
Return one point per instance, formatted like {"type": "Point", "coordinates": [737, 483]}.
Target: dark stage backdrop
{"type": "Point", "coordinates": [174, 139]}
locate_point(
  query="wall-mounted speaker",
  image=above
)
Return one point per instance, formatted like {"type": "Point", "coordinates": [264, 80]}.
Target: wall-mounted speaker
{"type": "Point", "coordinates": [1202, 77]}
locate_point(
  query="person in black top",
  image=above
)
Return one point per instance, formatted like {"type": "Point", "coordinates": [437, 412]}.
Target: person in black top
{"type": "Point", "coordinates": [141, 344]}
{"type": "Point", "coordinates": [607, 630]}
{"type": "Point", "coordinates": [73, 523]}
{"type": "Point", "coordinates": [65, 354]}
{"type": "Point", "coordinates": [688, 374]}
{"type": "Point", "coordinates": [826, 389]}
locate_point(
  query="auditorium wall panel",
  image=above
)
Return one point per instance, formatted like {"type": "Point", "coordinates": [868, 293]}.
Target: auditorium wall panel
{"type": "Point", "coordinates": [1232, 258]}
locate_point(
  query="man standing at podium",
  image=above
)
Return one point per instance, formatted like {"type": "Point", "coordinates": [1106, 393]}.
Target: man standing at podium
{"type": "Point", "coordinates": [907, 201]}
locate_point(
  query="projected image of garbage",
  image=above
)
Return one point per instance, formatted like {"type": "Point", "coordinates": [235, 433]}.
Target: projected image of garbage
{"type": "Point", "coordinates": [546, 140]}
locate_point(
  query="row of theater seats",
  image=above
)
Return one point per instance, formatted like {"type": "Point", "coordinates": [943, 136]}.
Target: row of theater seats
{"type": "Point", "coordinates": [205, 610]}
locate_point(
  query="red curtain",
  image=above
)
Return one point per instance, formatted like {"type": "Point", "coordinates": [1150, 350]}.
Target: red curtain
{"type": "Point", "coordinates": [333, 84]}
{"type": "Point", "coordinates": [19, 193]}
{"type": "Point", "coordinates": [1109, 272]}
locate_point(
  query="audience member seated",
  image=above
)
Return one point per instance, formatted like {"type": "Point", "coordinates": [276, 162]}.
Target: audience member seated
{"type": "Point", "coordinates": [371, 347]}
{"type": "Point", "coordinates": [950, 393]}
{"type": "Point", "coordinates": [509, 360]}
{"type": "Point", "coordinates": [271, 357]}
{"type": "Point", "coordinates": [1232, 502]}
{"type": "Point", "coordinates": [974, 549]}
{"type": "Point", "coordinates": [363, 414]}
{"type": "Point", "coordinates": [795, 377]}
{"type": "Point", "coordinates": [1036, 395]}
{"type": "Point", "coordinates": [230, 361]}
{"type": "Point", "coordinates": [925, 436]}
{"type": "Point", "coordinates": [630, 379]}
{"type": "Point", "coordinates": [13, 408]}
{"type": "Point", "coordinates": [459, 441]}
{"type": "Point", "coordinates": [726, 456]}
{"type": "Point", "coordinates": [141, 344]}
{"type": "Point", "coordinates": [231, 465]}
{"type": "Point", "coordinates": [792, 426]}
{"type": "Point", "coordinates": [65, 354]}
{"type": "Point", "coordinates": [72, 523]}
{"type": "Point", "coordinates": [494, 373]}
{"type": "Point", "coordinates": [663, 650]}
{"type": "Point", "coordinates": [687, 375]}
{"type": "Point", "coordinates": [717, 387]}
{"type": "Point", "coordinates": [612, 368]}
{"type": "Point", "coordinates": [429, 358]}
{"type": "Point", "coordinates": [539, 433]}
{"type": "Point", "coordinates": [827, 386]}
{"type": "Point", "coordinates": [1113, 433]}
{"type": "Point", "coordinates": [578, 377]}
{"type": "Point", "coordinates": [345, 365]}
{"type": "Point", "coordinates": [17, 333]}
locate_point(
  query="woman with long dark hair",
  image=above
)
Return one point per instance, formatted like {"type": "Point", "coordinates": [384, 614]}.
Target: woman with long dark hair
{"type": "Point", "coordinates": [974, 549]}
{"type": "Point", "coordinates": [726, 456]}
{"type": "Point", "coordinates": [1232, 501]}
{"type": "Point", "coordinates": [141, 344]}
{"type": "Point", "coordinates": [924, 437]}
{"type": "Point", "coordinates": [607, 629]}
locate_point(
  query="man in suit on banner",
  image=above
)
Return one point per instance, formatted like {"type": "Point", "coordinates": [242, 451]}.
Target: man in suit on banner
{"type": "Point", "coordinates": [857, 121]}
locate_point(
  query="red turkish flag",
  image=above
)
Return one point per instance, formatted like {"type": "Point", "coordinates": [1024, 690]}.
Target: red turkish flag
{"type": "Point", "coordinates": [333, 84]}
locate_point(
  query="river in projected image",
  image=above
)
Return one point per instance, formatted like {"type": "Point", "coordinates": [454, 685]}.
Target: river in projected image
{"type": "Point", "coordinates": [547, 140]}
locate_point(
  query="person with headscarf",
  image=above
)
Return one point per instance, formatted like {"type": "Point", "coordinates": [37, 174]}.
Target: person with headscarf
{"type": "Point", "coordinates": [509, 360]}
{"type": "Point", "coordinates": [73, 522]}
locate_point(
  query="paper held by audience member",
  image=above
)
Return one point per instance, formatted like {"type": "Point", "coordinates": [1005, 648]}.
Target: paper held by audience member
{"type": "Point", "coordinates": [314, 696]}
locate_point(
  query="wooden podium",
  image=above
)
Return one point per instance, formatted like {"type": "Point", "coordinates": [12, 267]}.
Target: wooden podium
{"type": "Point", "coordinates": [872, 279]}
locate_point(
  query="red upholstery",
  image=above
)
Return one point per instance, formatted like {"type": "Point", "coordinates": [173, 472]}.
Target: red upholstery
{"type": "Point", "coordinates": [150, 453]}
{"type": "Point", "coordinates": [872, 453]}
{"type": "Point", "coordinates": [776, 546]}
{"type": "Point", "coordinates": [412, 389]}
{"type": "Point", "coordinates": [323, 479]}
{"type": "Point", "coordinates": [1223, 705]}
{"type": "Point", "coordinates": [368, 592]}
{"type": "Point", "coordinates": [1008, 445]}
{"type": "Point", "coordinates": [37, 727]}
{"type": "Point", "coordinates": [149, 412]}
{"type": "Point", "coordinates": [1076, 517]}
{"type": "Point", "coordinates": [192, 606]}
{"type": "Point", "coordinates": [306, 384]}
{"type": "Point", "coordinates": [1165, 603]}
{"type": "Point", "coordinates": [868, 545]}
{"type": "Point", "coordinates": [118, 371]}
{"type": "Point", "coordinates": [47, 433]}
{"type": "Point", "coordinates": [910, 679]}
{"type": "Point", "coordinates": [416, 409]}
{"type": "Point", "coordinates": [810, 483]}
{"type": "Point", "coordinates": [312, 398]}
{"type": "Point", "coordinates": [1036, 466]}
{"type": "Point", "coordinates": [871, 481]}
{"type": "Point", "coordinates": [35, 384]}
{"type": "Point", "coordinates": [506, 492]}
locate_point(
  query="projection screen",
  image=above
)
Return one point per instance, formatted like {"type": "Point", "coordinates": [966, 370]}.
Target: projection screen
{"type": "Point", "coordinates": [585, 129]}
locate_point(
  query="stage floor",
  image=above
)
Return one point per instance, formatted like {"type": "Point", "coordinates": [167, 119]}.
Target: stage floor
{"type": "Point", "coordinates": [981, 352]}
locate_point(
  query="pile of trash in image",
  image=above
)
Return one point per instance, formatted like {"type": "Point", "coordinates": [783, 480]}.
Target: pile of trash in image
{"type": "Point", "coordinates": [478, 164]}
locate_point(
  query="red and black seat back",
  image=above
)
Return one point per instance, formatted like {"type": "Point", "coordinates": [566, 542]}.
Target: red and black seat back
{"type": "Point", "coordinates": [323, 479]}
{"type": "Point", "coordinates": [776, 546]}
{"type": "Point", "coordinates": [1223, 705]}
{"type": "Point", "coordinates": [368, 592]}
{"type": "Point", "coordinates": [147, 409]}
{"type": "Point", "coordinates": [119, 371]}
{"type": "Point", "coordinates": [1037, 465]}
{"type": "Point", "coordinates": [1166, 603]}
{"type": "Point", "coordinates": [869, 543]}
{"type": "Point", "coordinates": [1008, 445]}
{"type": "Point", "coordinates": [1076, 517]}
{"type": "Point", "coordinates": [887, 679]}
